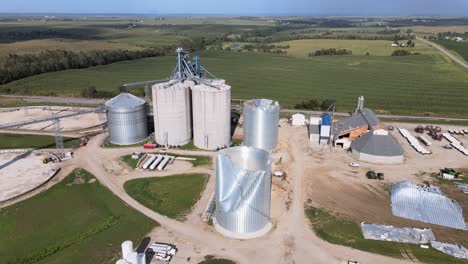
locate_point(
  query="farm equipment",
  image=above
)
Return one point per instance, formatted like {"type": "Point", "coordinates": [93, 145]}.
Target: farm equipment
{"type": "Point", "coordinates": [372, 175]}
{"type": "Point", "coordinates": [449, 173]}
{"type": "Point", "coordinates": [419, 129]}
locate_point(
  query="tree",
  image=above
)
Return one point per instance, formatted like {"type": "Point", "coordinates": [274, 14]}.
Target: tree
{"type": "Point", "coordinates": [326, 104]}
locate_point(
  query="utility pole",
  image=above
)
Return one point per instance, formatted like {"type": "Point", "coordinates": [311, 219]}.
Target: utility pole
{"type": "Point", "coordinates": [58, 134]}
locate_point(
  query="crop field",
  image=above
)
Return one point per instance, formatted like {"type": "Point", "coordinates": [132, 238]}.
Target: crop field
{"type": "Point", "coordinates": [19, 141]}
{"type": "Point", "coordinates": [419, 85]}
{"type": "Point", "coordinates": [344, 232]}
{"type": "Point", "coordinates": [172, 196]}
{"type": "Point", "coordinates": [76, 221]}
{"type": "Point", "coordinates": [301, 48]}
{"type": "Point", "coordinates": [461, 48]}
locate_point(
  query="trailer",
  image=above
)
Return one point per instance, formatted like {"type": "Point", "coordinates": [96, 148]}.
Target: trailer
{"type": "Point", "coordinates": [149, 161]}
{"type": "Point", "coordinates": [164, 163]}
{"type": "Point", "coordinates": [149, 146]}
{"type": "Point", "coordinates": [156, 162]}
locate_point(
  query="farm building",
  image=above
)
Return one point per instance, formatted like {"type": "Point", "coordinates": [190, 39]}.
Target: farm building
{"type": "Point", "coordinates": [298, 120]}
{"type": "Point", "coordinates": [347, 130]}
{"type": "Point", "coordinates": [377, 146]}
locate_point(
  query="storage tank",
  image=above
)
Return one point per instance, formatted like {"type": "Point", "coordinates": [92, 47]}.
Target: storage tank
{"type": "Point", "coordinates": [243, 192]}
{"type": "Point", "coordinates": [127, 248]}
{"type": "Point", "coordinates": [261, 120]}
{"type": "Point", "coordinates": [172, 113]}
{"type": "Point", "coordinates": [211, 106]}
{"type": "Point", "coordinates": [127, 119]}
{"type": "Point", "coordinates": [326, 125]}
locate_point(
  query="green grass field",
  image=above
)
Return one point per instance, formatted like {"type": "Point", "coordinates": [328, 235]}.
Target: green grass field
{"type": "Point", "coordinates": [173, 196]}
{"type": "Point", "coordinates": [461, 48]}
{"type": "Point", "coordinates": [343, 232]}
{"type": "Point", "coordinates": [19, 141]}
{"type": "Point", "coordinates": [132, 163]}
{"type": "Point", "coordinates": [301, 48]}
{"type": "Point", "coordinates": [76, 221]}
{"type": "Point", "coordinates": [419, 85]}
{"type": "Point", "coordinates": [217, 261]}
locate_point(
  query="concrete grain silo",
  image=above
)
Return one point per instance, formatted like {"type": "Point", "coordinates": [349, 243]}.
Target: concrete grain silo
{"type": "Point", "coordinates": [127, 119]}
{"type": "Point", "coordinates": [172, 112]}
{"type": "Point", "coordinates": [243, 192]}
{"type": "Point", "coordinates": [261, 120]}
{"type": "Point", "coordinates": [211, 111]}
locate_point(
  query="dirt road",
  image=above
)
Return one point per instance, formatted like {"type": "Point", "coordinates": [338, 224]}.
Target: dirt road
{"type": "Point", "coordinates": [291, 241]}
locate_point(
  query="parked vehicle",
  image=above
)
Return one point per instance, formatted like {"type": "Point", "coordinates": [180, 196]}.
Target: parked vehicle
{"type": "Point", "coordinates": [354, 164]}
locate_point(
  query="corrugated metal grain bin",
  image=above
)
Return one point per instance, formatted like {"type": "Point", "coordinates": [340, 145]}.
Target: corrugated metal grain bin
{"type": "Point", "coordinates": [243, 192]}
{"type": "Point", "coordinates": [172, 113]}
{"type": "Point", "coordinates": [261, 119]}
{"type": "Point", "coordinates": [127, 119]}
{"type": "Point", "coordinates": [211, 115]}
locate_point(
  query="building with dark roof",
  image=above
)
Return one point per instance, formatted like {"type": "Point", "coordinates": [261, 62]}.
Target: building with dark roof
{"type": "Point", "coordinates": [377, 146]}
{"type": "Point", "coordinates": [346, 130]}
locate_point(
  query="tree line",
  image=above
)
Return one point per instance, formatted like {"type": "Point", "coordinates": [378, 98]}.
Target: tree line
{"type": "Point", "coordinates": [15, 67]}
{"type": "Point", "coordinates": [314, 104]}
{"type": "Point", "coordinates": [330, 52]}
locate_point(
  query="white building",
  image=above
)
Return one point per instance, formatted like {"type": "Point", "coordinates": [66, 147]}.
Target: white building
{"type": "Point", "coordinates": [298, 120]}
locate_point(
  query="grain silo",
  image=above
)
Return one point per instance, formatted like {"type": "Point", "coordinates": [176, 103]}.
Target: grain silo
{"type": "Point", "coordinates": [261, 120]}
{"type": "Point", "coordinates": [127, 119]}
{"type": "Point", "coordinates": [211, 109]}
{"type": "Point", "coordinates": [172, 113]}
{"type": "Point", "coordinates": [243, 192]}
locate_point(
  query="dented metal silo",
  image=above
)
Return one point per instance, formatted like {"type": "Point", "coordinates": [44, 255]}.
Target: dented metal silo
{"type": "Point", "coordinates": [211, 108]}
{"type": "Point", "coordinates": [127, 119]}
{"type": "Point", "coordinates": [261, 119]}
{"type": "Point", "coordinates": [172, 112]}
{"type": "Point", "coordinates": [243, 192]}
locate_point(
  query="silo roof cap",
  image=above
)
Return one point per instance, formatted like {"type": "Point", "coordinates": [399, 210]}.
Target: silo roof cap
{"type": "Point", "coordinates": [125, 100]}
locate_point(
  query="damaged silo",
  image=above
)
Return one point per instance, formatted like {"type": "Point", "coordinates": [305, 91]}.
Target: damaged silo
{"type": "Point", "coordinates": [243, 192]}
{"type": "Point", "coordinates": [261, 119]}
{"type": "Point", "coordinates": [211, 108]}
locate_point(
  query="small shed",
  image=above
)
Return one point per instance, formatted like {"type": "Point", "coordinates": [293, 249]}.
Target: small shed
{"type": "Point", "coordinates": [298, 120]}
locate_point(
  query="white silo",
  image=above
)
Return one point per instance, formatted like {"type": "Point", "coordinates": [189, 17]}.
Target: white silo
{"type": "Point", "coordinates": [243, 192]}
{"type": "Point", "coordinates": [211, 108]}
{"type": "Point", "coordinates": [261, 120]}
{"type": "Point", "coordinates": [132, 258]}
{"type": "Point", "coordinates": [127, 248]}
{"type": "Point", "coordinates": [172, 113]}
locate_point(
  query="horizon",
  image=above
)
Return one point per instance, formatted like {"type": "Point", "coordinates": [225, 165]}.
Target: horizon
{"type": "Point", "coordinates": [357, 8]}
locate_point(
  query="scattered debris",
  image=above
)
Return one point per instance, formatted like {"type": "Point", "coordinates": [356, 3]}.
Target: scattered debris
{"type": "Point", "coordinates": [463, 187]}
{"type": "Point", "coordinates": [457, 251]}
{"type": "Point", "coordinates": [413, 142]}
{"type": "Point", "coordinates": [426, 203]}
{"type": "Point", "coordinates": [397, 234]}
{"type": "Point", "coordinates": [455, 143]}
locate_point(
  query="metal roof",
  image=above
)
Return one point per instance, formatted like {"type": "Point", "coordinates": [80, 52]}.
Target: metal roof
{"type": "Point", "coordinates": [377, 145]}
{"type": "Point", "coordinates": [125, 100]}
{"type": "Point", "coordinates": [426, 204]}
{"type": "Point", "coordinates": [364, 117]}
{"type": "Point", "coordinates": [263, 104]}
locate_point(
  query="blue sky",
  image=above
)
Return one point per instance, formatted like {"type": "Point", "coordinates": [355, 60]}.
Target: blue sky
{"type": "Point", "coordinates": [244, 7]}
